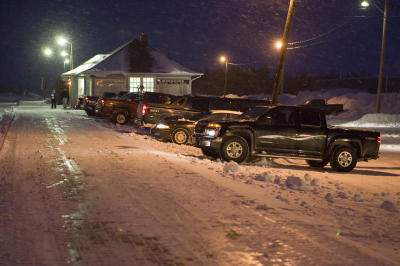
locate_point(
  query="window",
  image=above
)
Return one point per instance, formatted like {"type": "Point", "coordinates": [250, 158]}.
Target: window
{"type": "Point", "coordinates": [310, 118]}
{"type": "Point", "coordinates": [134, 84]}
{"type": "Point", "coordinates": [148, 84]}
{"type": "Point", "coordinates": [81, 86]}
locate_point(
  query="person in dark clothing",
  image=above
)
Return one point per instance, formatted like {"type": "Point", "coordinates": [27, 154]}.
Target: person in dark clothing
{"type": "Point", "coordinates": [53, 99]}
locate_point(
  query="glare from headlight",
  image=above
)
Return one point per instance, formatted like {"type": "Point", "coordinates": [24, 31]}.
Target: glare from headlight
{"type": "Point", "coordinates": [162, 126]}
{"type": "Point", "coordinates": [210, 132]}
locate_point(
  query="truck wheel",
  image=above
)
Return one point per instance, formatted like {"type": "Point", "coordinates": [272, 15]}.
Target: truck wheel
{"type": "Point", "coordinates": [180, 136]}
{"type": "Point", "coordinates": [210, 152]}
{"type": "Point", "coordinates": [89, 113]}
{"type": "Point", "coordinates": [320, 164]}
{"type": "Point", "coordinates": [120, 118]}
{"type": "Point", "coordinates": [235, 149]}
{"type": "Point", "coordinates": [343, 159]}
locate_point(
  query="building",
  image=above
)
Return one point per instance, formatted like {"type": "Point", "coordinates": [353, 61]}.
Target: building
{"type": "Point", "coordinates": [128, 67]}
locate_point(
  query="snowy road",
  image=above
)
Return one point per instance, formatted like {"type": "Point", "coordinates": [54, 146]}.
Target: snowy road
{"type": "Point", "coordinates": [76, 189]}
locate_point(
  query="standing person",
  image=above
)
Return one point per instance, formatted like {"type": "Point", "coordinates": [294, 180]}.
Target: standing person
{"type": "Point", "coordinates": [53, 99]}
{"type": "Point", "coordinates": [65, 99]}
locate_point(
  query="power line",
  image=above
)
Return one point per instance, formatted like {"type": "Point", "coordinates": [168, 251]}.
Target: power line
{"type": "Point", "coordinates": [319, 36]}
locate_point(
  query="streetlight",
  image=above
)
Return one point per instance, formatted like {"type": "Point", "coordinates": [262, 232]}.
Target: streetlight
{"type": "Point", "coordinates": [278, 45]}
{"type": "Point", "coordinates": [224, 59]}
{"type": "Point", "coordinates": [384, 12]}
{"type": "Point", "coordinates": [66, 61]}
{"type": "Point", "coordinates": [64, 53]}
{"type": "Point", "coordinates": [364, 4]}
{"type": "Point", "coordinates": [47, 52]}
{"type": "Point", "coordinates": [62, 41]}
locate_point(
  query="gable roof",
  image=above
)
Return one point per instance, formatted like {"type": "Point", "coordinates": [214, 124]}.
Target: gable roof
{"type": "Point", "coordinates": [118, 61]}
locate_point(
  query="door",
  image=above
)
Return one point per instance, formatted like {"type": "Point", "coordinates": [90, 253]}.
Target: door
{"type": "Point", "coordinates": [276, 132]}
{"type": "Point", "coordinates": [311, 138]}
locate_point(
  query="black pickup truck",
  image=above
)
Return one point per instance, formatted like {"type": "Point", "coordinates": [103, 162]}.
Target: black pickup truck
{"type": "Point", "coordinates": [188, 106]}
{"type": "Point", "coordinates": [288, 132]}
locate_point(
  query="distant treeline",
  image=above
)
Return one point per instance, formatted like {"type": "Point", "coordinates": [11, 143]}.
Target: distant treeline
{"type": "Point", "coordinates": [260, 81]}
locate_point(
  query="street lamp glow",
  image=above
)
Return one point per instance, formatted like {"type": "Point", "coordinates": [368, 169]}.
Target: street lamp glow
{"type": "Point", "coordinates": [64, 53]}
{"type": "Point", "coordinates": [278, 44]}
{"type": "Point", "coordinates": [222, 59]}
{"type": "Point", "coordinates": [61, 40]}
{"type": "Point", "coordinates": [365, 4]}
{"type": "Point", "coordinates": [47, 52]}
{"type": "Point", "coordinates": [66, 61]}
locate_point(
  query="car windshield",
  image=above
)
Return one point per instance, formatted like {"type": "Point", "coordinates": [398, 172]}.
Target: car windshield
{"type": "Point", "coordinates": [199, 116]}
{"type": "Point", "coordinates": [255, 112]}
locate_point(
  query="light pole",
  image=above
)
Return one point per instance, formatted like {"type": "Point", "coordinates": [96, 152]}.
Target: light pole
{"type": "Point", "coordinates": [282, 57]}
{"type": "Point", "coordinates": [47, 52]}
{"type": "Point", "coordinates": [384, 12]}
{"type": "Point", "coordinates": [66, 62]}
{"type": "Point", "coordinates": [224, 59]}
{"type": "Point", "coordinates": [62, 41]}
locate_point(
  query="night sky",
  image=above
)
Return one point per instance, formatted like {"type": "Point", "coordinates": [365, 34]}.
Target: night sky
{"type": "Point", "coordinates": [344, 38]}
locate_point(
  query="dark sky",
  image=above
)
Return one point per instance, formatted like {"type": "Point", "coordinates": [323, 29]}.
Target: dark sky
{"type": "Point", "coordinates": [344, 37]}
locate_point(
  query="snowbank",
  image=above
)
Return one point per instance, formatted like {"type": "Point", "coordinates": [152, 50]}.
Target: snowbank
{"type": "Point", "coordinates": [12, 97]}
{"type": "Point", "coordinates": [376, 121]}
{"type": "Point", "coordinates": [355, 103]}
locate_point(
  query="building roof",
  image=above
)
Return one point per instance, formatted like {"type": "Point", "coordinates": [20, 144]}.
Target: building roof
{"type": "Point", "coordinates": [118, 62]}
{"type": "Point", "coordinates": [89, 64]}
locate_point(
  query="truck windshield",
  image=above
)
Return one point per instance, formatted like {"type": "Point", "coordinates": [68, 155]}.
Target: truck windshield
{"type": "Point", "coordinates": [255, 112]}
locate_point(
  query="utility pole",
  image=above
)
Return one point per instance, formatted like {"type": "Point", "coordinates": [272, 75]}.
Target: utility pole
{"type": "Point", "coordinates": [279, 71]}
{"type": "Point", "coordinates": [383, 49]}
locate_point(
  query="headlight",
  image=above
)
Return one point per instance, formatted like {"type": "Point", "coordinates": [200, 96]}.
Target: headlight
{"type": "Point", "coordinates": [162, 126]}
{"type": "Point", "coordinates": [212, 132]}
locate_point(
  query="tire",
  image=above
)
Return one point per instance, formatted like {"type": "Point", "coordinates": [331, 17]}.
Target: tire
{"type": "Point", "coordinates": [318, 164]}
{"type": "Point", "coordinates": [343, 159]}
{"type": "Point", "coordinates": [210, 152]}
{"type": "Point", "coordinates": [180, 136]}
{"type": "Point", "coordinates": [235, 149]}
{"type": "Point", "coordinates": [120, 118]}
{"type": "Point", "coordinates": [89, 113]}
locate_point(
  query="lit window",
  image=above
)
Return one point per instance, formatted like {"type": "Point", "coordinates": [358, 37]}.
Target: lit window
{"type": "Point", "coordinates": [148, 84]}
{"type": "Point", "coordinates": [134, 84]}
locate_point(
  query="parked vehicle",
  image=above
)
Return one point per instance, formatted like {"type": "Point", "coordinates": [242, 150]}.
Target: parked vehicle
{"type": "Point", "coordinates": [289, 132]}
{"type": "Point", "coordinates": [188, 106]}
{"type": "Point", "coordinates": [180, 131]}
{"type": "Point", "coordinates": [80, 103]}
{"type": "Point", "coordinates": [117, 108]}
{"type": "Point", "coordinates": [322, 105]}
{"type": "Point", "coordinates": [124, 109]}
{"type": "Point", "coordinates": [90, 102]}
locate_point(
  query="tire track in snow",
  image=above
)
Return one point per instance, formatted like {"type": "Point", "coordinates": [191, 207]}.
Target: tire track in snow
{"type": "Point", "coordinates": [73, 189]}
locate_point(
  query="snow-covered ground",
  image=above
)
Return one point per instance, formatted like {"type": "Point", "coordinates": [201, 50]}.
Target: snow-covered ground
{"type": "Point", "coordinates": [129, 194]}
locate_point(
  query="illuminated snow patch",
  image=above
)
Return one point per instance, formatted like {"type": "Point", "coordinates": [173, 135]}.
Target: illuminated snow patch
{"type": "Point", "coordinates": [390, 147]}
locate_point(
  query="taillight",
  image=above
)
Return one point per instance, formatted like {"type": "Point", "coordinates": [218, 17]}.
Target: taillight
{"type": "Point", "coordinates": [379, 140]}
{"type": "Point", "coordinates": [79, 100]}
{"type": "Point", "coordinates": [144, 109]}
{"type": "Point", "coordinates": [102, 102]}
{"type": "Point", "coordinates": [86, 99]}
